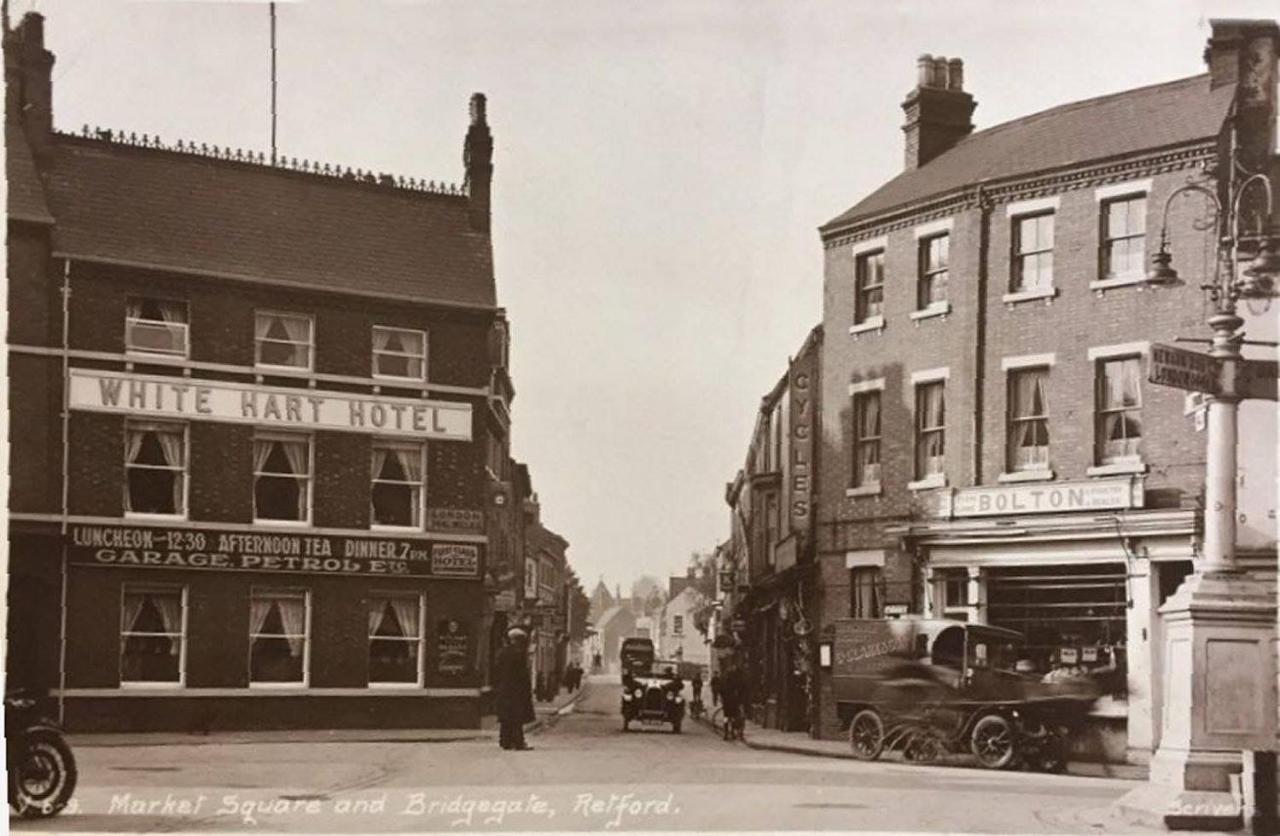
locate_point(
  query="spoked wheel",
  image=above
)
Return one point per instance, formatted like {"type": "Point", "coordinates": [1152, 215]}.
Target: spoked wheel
{"type": "Point", "coordinates": [42, 782]}
{"type": "Point", "coordinates": [922, 746]}
{"type": "Point", "coordinates": [992, 742]}
{"type": "Point", "coordinates": [866, 735]}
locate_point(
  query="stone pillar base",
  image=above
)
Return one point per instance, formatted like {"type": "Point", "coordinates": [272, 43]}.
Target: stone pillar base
{"type": "Point", "coordinates": [1160, 805]}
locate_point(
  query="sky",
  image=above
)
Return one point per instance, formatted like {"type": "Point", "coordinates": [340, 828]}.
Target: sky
{"type": "Point", "coordinates": [661, 169]}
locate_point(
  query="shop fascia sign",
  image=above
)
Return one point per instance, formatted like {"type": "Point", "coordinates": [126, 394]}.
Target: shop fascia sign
{"type": "Point", "coordinates": [1042, 498]}
{"type": "Point", "coordinates": [156, 547]}
{"type": "Point", "coordinates": [264, 406]}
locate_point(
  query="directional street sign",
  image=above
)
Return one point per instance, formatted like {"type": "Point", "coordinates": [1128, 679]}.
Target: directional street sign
{"type": "Point", "coordinates": [1173, 366]}
{"type": "Point", "coordinates": [1258, 379]}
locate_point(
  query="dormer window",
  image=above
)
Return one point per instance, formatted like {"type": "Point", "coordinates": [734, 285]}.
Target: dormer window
{"type": "Point", "coordinates": [156, 326]}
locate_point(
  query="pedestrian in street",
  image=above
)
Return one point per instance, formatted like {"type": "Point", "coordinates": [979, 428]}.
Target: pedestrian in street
{"type": "Point", "coordinates": [733, 692]}
{"type": "Point", "coordinates": [512, 691]}
{"type": "Point", "coordinates": [715, 688]}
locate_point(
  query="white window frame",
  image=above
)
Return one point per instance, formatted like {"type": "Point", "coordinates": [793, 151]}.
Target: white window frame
{"type": "Point", "coordinates": [930, 479]}
{"type": "Point", "coordinates": [1017, 290]}
{"type": "Point", "coordinates": [130, 321]}
{"type": "Point", "coordinates": [267, 435]}
{"type": "Point", "coordinates": [185, 513]}
{"type": "Point", "coordinates": [284, 592]}
{"type": "Point", "coordinates": [862, 320]}
{"type": "Point", "coordinates": [392, 445]}
{"type": "Point", "coordinates": [923, 274]}
{"type": "Point", "coordinates": [376, 353]}
{"type": "Point", "coordinates": [421, 640]}
{"type": "Point", "coordinates": [858, 390]}
{"type": "Point", "coordinates": [1121, 464]}
{"type": "Point", "coordinates": [126, 588]}
{"type": "Point", "coordinates": [1121, 193]}
{"type": "Point", "coordinates": [310, 344]}
{"type": "Point", "coordinates": [1013, 473]}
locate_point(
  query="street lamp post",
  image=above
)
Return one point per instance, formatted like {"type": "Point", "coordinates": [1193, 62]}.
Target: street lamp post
{"type": "Point", "coordinates": [1220, 626]}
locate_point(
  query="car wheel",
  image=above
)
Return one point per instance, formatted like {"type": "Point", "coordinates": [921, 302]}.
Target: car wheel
{"type": "Point", "coordinates": [866, 735]}
{"type": "Point", "coordinates": [992, 742]}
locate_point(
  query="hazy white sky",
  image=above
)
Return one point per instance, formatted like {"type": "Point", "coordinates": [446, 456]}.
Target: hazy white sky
{"type": "Point", "coordinates": [660, 171]}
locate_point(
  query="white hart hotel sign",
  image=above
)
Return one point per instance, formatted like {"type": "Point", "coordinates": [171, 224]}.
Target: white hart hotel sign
{"type": "Point", "coordinates": [266, 406]}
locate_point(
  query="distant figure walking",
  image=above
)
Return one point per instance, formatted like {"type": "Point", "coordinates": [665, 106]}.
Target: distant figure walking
{"type": "Point", "coordinates": [513, 692]}
{"type": "Point", "coordinates": [733, 694]}
{"type": "Point", "coordinates": [715, 687]}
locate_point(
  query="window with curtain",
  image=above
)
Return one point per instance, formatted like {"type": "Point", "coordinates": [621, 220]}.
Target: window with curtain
{"type": "Point", "coordinates": [1028, 429]}
{"type": "Point", "coordinates": [866, 439]}
{"type": "Point", "coordinates": [156, 326]}
{"type": "Point", "coordinates": [153, 634]}
{"type": "Point", "coordinates": [1033, 252]}
{"type": "Point", "coordinates": [1124, 236]}
{"type": "Point", "coordinates": [935, 254]}
{"type": "Point", "coordinates": [399, 353]}
{"type": "Point", "coordinates": [1119, 430]}
{"type": "Point", "coordinates": [155, 464]}
{"type": "Point", "coordinates": [282, 478]}
{"type": "Point", "coordinates": [279, 641]}
{"type": "Point", "coordinates": [395, 639]}
{"type": "Point", "coordinates": [868, 299]}
{"type": "Point", "coordinates": [931, 428]}
{"type": "Point", "coordinates": [284, 340]}
{"type": "Point", "coordinates": [866, 592]}
{"type": "Point", "coordinates": [397, 485]}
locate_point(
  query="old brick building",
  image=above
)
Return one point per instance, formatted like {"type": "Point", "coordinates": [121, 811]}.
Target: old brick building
{"type": "Point", "coordinates": [771, 502]}
{"type": "Point", "coordinates": [990, 448]}
{"type": "Point", "coordinates": [252, 406]}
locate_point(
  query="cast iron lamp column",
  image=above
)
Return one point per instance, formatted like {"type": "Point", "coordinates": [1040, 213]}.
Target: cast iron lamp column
{"type": "Point", "coordinates": [1220, 664]}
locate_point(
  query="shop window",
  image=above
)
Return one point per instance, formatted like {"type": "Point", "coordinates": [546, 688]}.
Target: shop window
{"type": "Point", "coordinates": [395, 640]}
{"type": "Point", "coordinates": [866, 439]}
{"type": "Point", "coordinates": [1028, 430]}
{"type": "Point", "coordinates": [1032, 253]}
{"type": "Point", "coordinates": [866, 593]}
{"type": "Point", "coordinates": [398, 476]}
{"type": "Point", "coordinates": [282, 478]}
{"type": "Point", "coordinates": [931, 429]}
{"type": "Point", "coordinates": [935, 256]}
{"type": "Point", "coordinates": [868, 287]}
{"type": "Point", "coordinates": [153, 622]}
{"type": "Point", "coordinates": [155, 469]}
{"type": "Point", "coordinates": [1119, 428]}
{"type": "Point", "coordinates": [953, 585]}
{"type": "Point", "coordinates": [156, 326]}
{"type": "Point", "coordinates": [279, 637]}
{"type": "Point", "coordinates": [283, 340]}
{"type": "Point", "coordinates": [1124, 222]}
{"type": "Point", "coordinates": [399, 353]}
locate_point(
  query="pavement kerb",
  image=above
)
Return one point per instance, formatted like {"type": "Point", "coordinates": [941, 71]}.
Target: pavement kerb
{"type": "Point", "coordinates": [107, 740]}
{"type": "Point", "coordinates": [1083, 770]}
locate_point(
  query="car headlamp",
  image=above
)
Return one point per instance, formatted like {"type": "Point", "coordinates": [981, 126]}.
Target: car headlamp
{"type": "Point", "coordinates": [639, 693]}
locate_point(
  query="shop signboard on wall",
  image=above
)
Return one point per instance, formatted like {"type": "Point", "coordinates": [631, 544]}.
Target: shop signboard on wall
{"type": "Point", "coordinates": [800, 473]}
{"type": "Point", "coordinates": [1043, 498]}
{"type": "Point", "coordinates": [241, 551]}
{"type": "Point", "coordinates": [451, 648]}
{"type": "Point", "coordinates": [157, 396]}
{"type": "Point", "coordinates": [455, 519]}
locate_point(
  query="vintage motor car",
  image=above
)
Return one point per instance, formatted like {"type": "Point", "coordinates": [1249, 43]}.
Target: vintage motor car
{"type": "Point", "coordinates": [653, 696]}
{"type": "Point", "coordinates": [931, 687]}
{"type": "Point", "coordinates": [636, 653]}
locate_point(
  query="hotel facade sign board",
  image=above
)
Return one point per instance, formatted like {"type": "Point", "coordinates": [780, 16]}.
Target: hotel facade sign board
{"type": "Point", "coordinates": [237, 551]}
{"type": "Point", "coordinates": [265, 406]}
{"type": "Point", "coordinates": [1045, 498]}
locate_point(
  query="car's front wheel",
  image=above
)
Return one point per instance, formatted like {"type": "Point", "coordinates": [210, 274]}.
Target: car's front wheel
{"type": "Point", "coordinates": [993, 742]}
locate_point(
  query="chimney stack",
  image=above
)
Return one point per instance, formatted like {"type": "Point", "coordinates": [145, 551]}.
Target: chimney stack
{"type": "Point", "coordinates": [28, 81]}
{"type": "Point", "coordinates": [938, 110]}
{"type": "Point", "coordinates": [477, 156]}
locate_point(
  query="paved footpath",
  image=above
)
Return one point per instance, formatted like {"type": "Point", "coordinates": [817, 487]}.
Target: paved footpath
{"type": "Point", "coordinates": [584, 774]}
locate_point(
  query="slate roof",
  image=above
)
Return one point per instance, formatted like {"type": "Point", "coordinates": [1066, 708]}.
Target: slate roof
{"type": "Point", "coordinates": [189, 212]}
{"type": "Point", "coordinates": [1146, 118]}
{"type": "Point", "coordinates": [26, 195]}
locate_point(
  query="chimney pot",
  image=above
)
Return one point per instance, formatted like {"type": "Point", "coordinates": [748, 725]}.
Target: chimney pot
{"type": "Point", "coordinates": [955, 75]}
{"type": "Point", "coordinates": [924, 66]}
{"type": "Point", "coordinates": [940, 73]}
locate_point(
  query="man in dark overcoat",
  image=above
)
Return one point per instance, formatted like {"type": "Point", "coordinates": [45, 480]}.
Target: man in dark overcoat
{"type": "Point", "coordinates": [513, 694]}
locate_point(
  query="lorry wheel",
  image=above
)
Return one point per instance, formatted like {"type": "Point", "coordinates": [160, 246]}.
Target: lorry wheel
{"type": "Point", "coordinates": [992, 742]}
{"type": "Point", "coordinates": [866, 735]}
